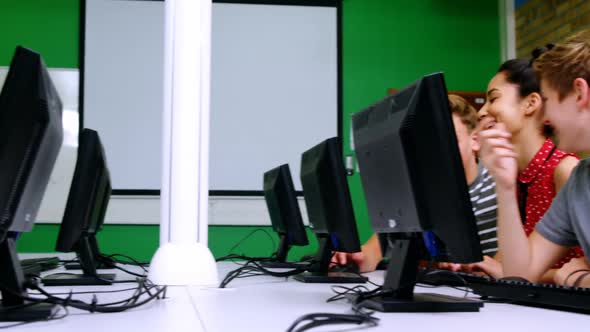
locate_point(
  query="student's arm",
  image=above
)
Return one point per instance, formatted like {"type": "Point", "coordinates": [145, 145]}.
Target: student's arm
{"type": "Point", "coordinates": [498, 256]}
{"type": "Point", "coordinates": [577, 269]}
{"type": "Point", "coordinates": [585, 282]}
{"type": "Point", "coordinates": [367, 259]}
{"type": "Point", "coordinates": [526, 257]}
{"type": "Point", "coordinates": [563, 171]}
{"type": "Point", "coordinates": [492, 266]}
{"type": "Point", "coordinates": [548, 277]}
{"type": "Point", "coordinates": [530, 257]}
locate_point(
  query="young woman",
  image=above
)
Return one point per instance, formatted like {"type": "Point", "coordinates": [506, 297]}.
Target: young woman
{"type": "Point", "coordinates": [514, 100]}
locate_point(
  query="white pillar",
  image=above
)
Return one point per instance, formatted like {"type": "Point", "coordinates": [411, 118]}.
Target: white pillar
{"type": "Point", "coordinates": [183, 257]}
{"type": "Point", "coordinates": [507, 30]}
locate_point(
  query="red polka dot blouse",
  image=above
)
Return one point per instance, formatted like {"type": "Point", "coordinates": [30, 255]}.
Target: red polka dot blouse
{"type": "Point", "coordinates": [537, 180]}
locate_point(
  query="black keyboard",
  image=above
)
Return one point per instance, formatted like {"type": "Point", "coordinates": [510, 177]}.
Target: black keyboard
{"type": "Point", "coordinates": [541, 295]}
{"type": "Point", "coordinates": [516, 291]}
{"type": "Point", "coordinates": [34, 266]}
{"type": "Point", "coordinates": [32, 270]}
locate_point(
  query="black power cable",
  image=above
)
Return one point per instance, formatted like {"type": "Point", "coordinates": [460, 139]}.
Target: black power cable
{"type": "Point", "coordinates": [144, 287]}
{"type": "Point", "coordinates": [321, 319]}
{"type": "Point", "coordinates": [129, 260]}
{"type": "Point", "coordinates": [233, 256]}
{"type": "Point", "coordinates": [253, 268]}
{"type": "Point", "coordinates": [127, 304]}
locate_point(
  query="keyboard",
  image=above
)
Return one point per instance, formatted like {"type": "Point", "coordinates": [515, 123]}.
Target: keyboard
{"type": "Point", "coordinates": [517, 292]}
{"type": "Point", "coordinates": [34, 266]}
{"type": "Point", "coordinates": [541, 295]}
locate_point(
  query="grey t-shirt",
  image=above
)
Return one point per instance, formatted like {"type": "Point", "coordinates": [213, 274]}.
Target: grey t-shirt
{"type": "Point", "coordinates": [567, 222]}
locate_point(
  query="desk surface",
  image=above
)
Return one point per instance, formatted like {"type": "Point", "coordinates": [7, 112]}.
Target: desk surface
{"type": "Point", "coordinates": [271, 304]}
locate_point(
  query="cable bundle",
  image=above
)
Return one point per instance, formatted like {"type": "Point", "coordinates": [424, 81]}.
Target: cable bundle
{"type": "Point", "coordinates": [253, 268]}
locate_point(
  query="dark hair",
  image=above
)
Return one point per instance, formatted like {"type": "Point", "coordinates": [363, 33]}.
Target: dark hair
{"type": "Point", "coordinates": [521, 73]}
{"type": "Point", "coordinates": [536, 53]}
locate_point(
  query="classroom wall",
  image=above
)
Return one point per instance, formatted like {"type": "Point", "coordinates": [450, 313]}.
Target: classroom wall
{"type": "Point", "coordinates": [389, 44]}
{"type": "Point", "coordinates": [48, 27]}
{"type": "Point", "coordinates": [539, 22]}
{"type": "Point", "coordinates": [386, 44]}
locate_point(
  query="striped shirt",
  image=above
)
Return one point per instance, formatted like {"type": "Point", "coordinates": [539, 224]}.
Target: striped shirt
{"type": "Point", "coordinates": [483, 200]}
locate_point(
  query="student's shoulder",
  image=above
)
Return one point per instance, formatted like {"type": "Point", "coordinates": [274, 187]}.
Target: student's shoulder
{"type": "Point", "coordinates": [582, 169]}
{"type": "Point", "coordinates": [568, 162]}
{"type": "Point", "coordinates": [579, 180]}
{"type": "Point", "coordinates": [564, 170]}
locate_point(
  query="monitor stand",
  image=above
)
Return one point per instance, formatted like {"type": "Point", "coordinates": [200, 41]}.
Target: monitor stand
{"type": "Point", "coordinates": [99, 264]}
{"type": "Point", "coordinates": [319, 273]}
{"type": "Point", "coordinates": [88, 253]}
{"type": "Point", "coordinates": [279, 261]}
{"type": "Point", "coordinates": [400, 278]}
{"type": "Point", "coordinates": [13, 307]}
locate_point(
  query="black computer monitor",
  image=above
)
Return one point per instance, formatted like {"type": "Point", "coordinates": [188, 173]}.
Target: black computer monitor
{"type": "Point", "coordinates": [84, 214]}
{"type": "Point", "coordinates": [285, 216]}
{"type": "Point", "coordinates": [414, 181]}
{"type": "Point", "coordinates": [31, 136]}
{"type": "Point", "coordinates": [329, 208]}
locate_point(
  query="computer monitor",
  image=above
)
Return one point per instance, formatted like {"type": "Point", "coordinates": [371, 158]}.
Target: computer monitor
{"type": "Point", "coordinates": [414, 181]}
{"type": "Point", "coordinates": [84, 214]}
{"type": "Point", "coordinates": [285, 216]}
{"type": "Point", "coordinates": [30, 140]}
{"type": "Point", "coordinates": [329, 208]}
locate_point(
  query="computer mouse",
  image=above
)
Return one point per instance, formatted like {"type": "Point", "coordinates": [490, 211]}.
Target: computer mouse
{"type": "Point", "coordinates": [514, 279]}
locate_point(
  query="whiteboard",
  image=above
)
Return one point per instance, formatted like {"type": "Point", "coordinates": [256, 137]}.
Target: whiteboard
{"type": "Point", "coordinates": [273, 88]}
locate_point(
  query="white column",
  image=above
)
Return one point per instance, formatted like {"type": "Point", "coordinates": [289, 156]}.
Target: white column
{"type": "Point", "coordinates": [507, 30]}
{"type": "Point", "coordinates": [183, 257]}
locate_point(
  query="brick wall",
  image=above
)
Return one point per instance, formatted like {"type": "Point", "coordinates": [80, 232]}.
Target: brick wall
{"type": "Point", "coordinates": [539, 22]}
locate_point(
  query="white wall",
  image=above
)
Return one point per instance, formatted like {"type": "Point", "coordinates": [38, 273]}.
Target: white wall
{"type": "Point", "coordinates": [242, 210]}
{"type": "Point", "coordinates": [126, 209]}
{"type": "Point", "coordinates": [274, 88]}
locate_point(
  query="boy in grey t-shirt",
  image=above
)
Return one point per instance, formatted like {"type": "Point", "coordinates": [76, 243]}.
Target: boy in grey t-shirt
{"type": "Point", "coordinates": [564, 72]}
{"type": "Point", "coordinates": [569, 215]}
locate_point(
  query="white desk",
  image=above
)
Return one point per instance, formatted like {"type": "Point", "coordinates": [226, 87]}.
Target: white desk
{"type": "Point", "coordinates": [272, 304]}
{"type": "Point", "coordinates": [175, 313]}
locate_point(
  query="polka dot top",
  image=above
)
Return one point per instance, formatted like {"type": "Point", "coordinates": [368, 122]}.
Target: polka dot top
{"type": "Point", "coordinates": [537, 179]}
